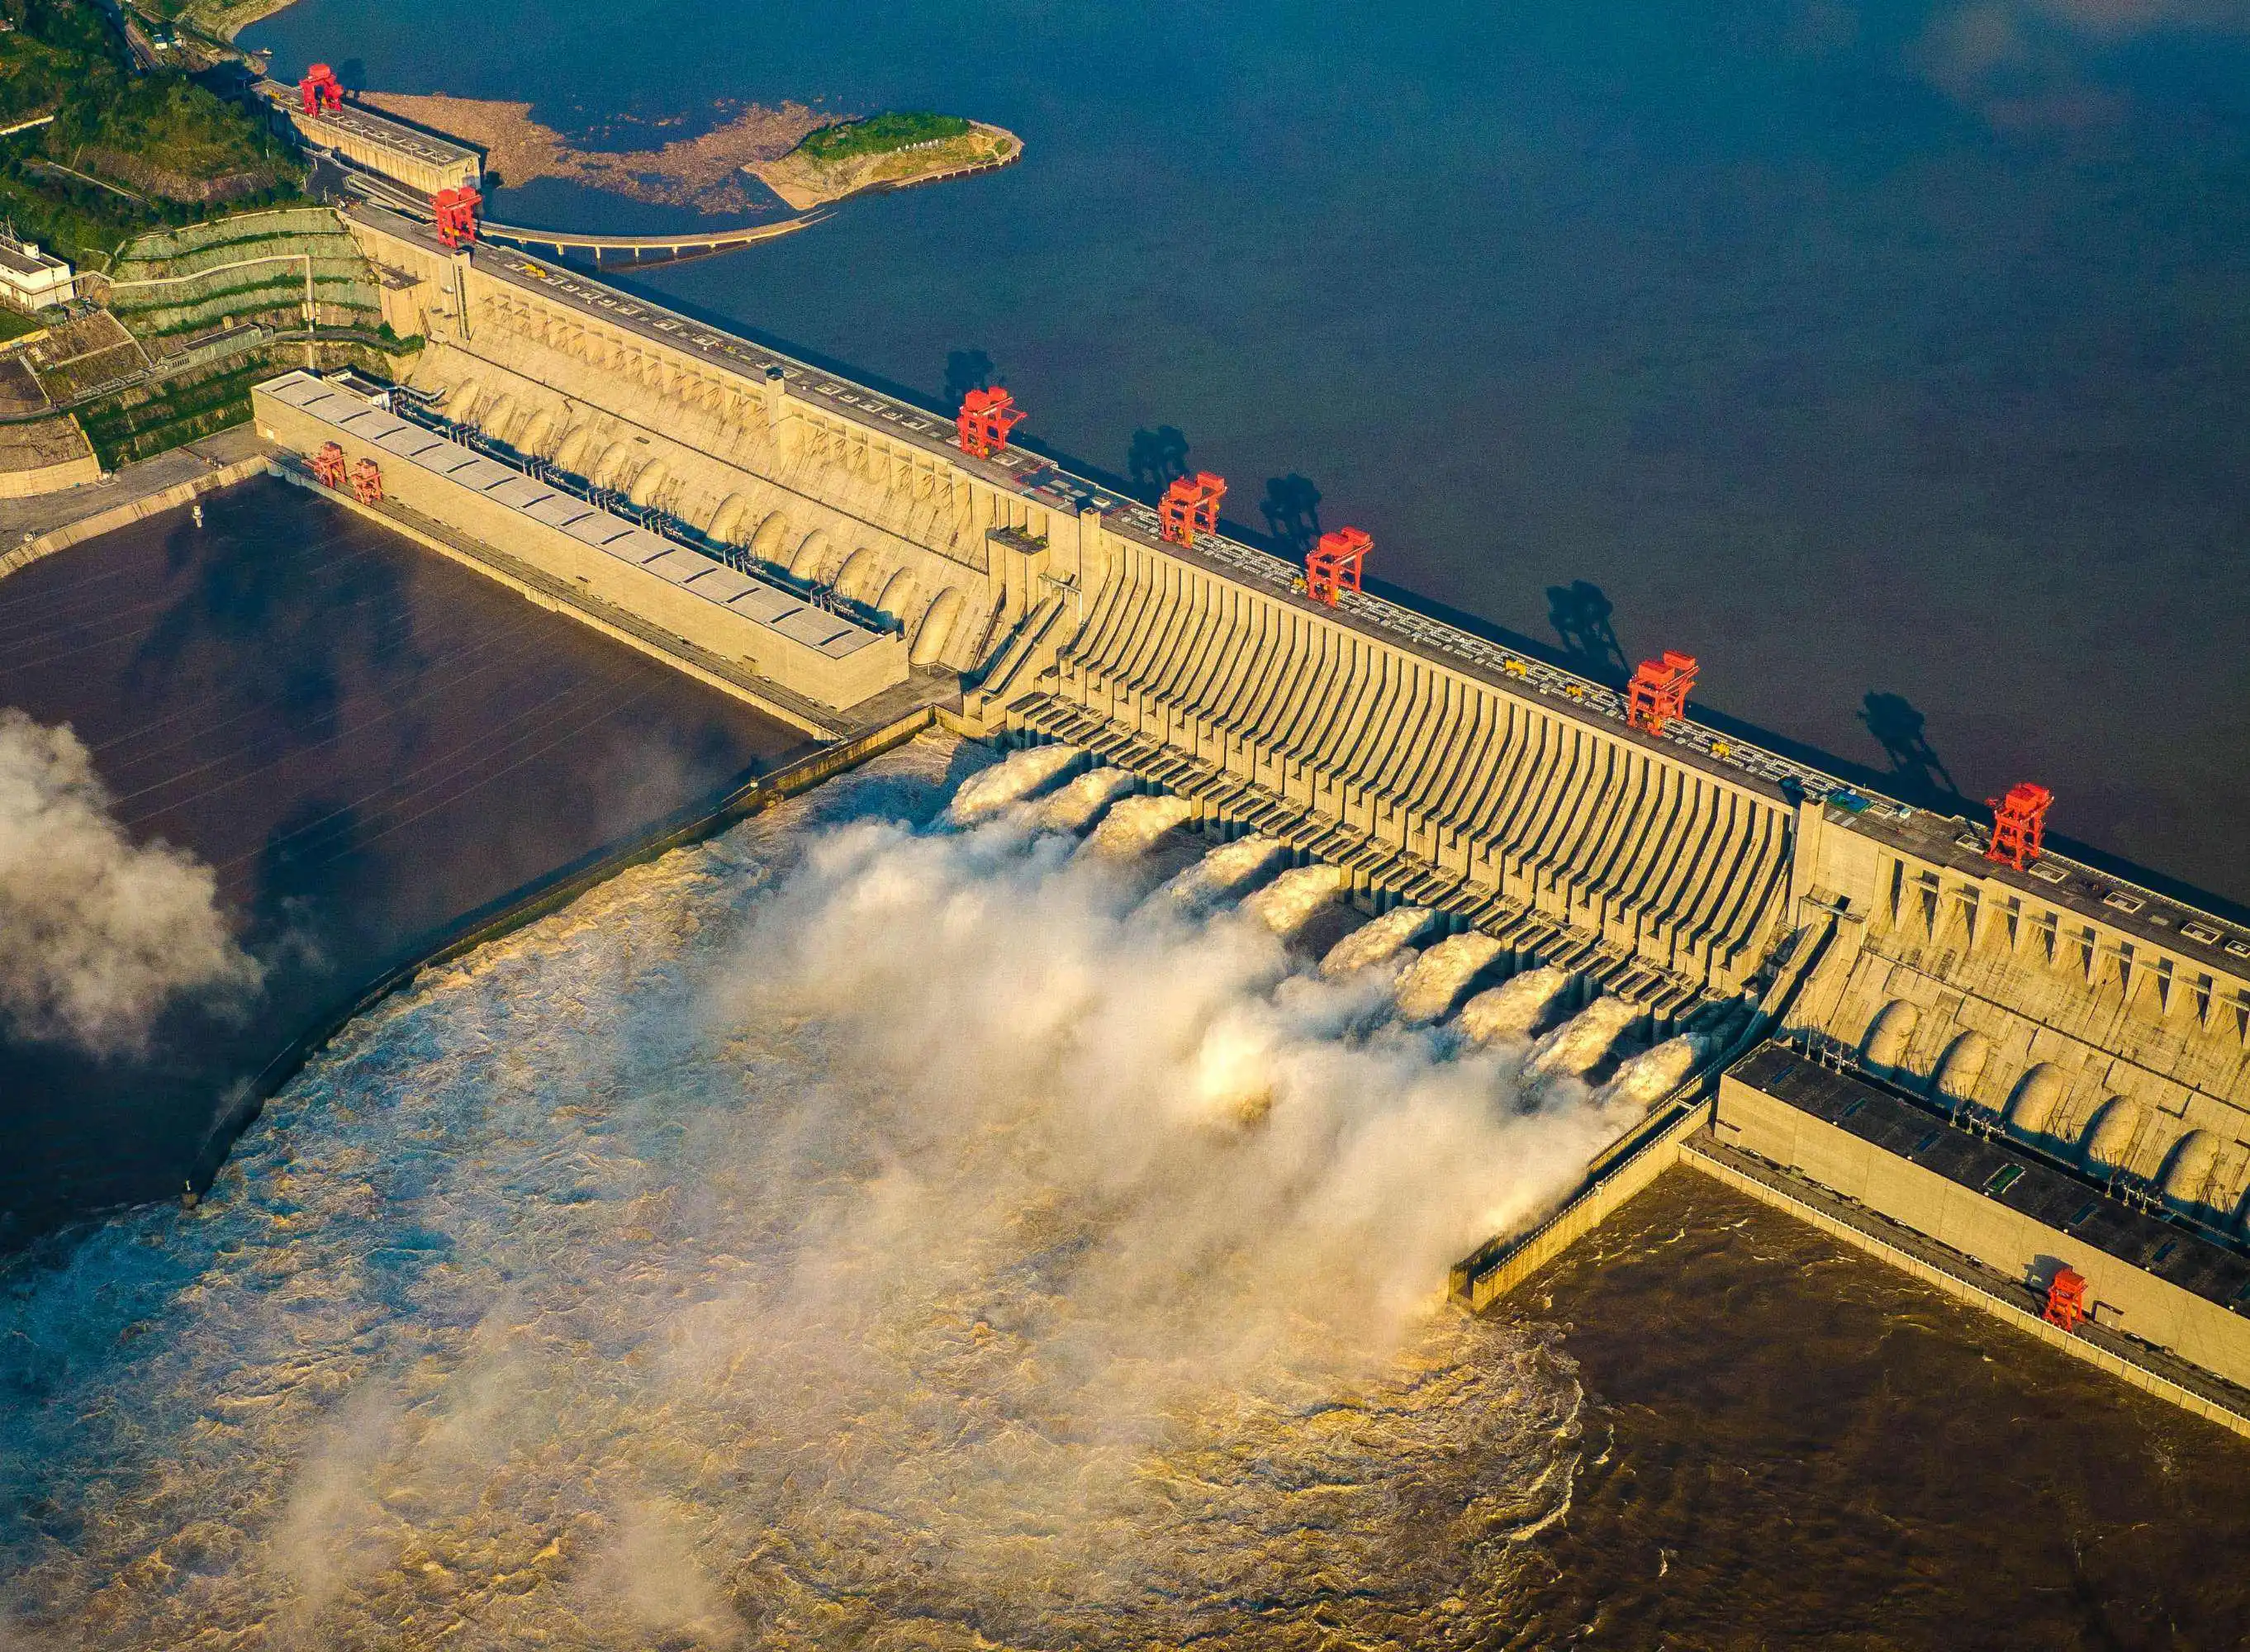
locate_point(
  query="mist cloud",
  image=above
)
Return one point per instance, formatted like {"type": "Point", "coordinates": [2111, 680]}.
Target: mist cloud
{"type": "Point", "coordinates": [97, 933]}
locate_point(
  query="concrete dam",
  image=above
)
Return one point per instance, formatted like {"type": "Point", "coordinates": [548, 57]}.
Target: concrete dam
{"type": "Point", "coordinates": [2071, 1050]}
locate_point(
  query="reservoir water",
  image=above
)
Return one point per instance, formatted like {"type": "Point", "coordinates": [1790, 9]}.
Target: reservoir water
{"type": "Point", "coordinates": [1887, 354]}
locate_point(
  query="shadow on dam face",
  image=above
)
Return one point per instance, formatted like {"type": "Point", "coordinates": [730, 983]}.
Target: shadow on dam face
{"type": "Point", "coordinates": [361, 741]}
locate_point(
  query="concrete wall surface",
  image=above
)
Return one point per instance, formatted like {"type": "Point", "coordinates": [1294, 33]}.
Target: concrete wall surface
{"type": "Point", "coordinates": [846, 678]}
{"type": "Point", "coordinates": [1965, 1218]}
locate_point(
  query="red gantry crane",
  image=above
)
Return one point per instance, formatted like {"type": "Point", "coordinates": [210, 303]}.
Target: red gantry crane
{"type": "Point", "coordinates": [458, 211]}
{"type": "Point", "coordinates": [986, 418]}
{"type": "Point", "coordinates": [322, 92]}
{"type": "Point", "coordinates": [1335, 565]}
{"type": "Point", "coordinates": [1190, 506]}
{"type": "Point", "coordinates": [2065, 1299]}
{"type": "Point", "coordinates": [1658, 692]}
{"type": "Point", "coordinates": [2018, 825]}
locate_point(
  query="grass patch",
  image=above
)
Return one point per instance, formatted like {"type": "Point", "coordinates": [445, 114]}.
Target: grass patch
{"type": "Point", "coordinates": [145, 422]}
{"type": "Point", "coordinates": [16, 324]}
{"type": "Point", "coordinates": [881, 133]}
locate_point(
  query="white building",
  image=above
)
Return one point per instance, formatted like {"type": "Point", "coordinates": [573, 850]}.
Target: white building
{"type": "Point", "coordinates": [30, 279]}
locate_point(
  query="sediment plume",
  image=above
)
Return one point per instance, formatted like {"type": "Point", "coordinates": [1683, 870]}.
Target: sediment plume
{"type": "Point", "coordinates": [1134, 825]}
{"type": "Point", "coordinates": [1514, 1010]}
{"type": "Point", "coordinates": [1084, 800]}
{"type": "Point", "coordinates": [1442, 974]}
{"type": "Point", "coordinates": [1376, 940]}
{"type": "Point", "coordinates": [1020, 774]}
{"type": "Point", "coordinates": [1292, 900]}
{"type": "Point", "coordinates": [1579, 1045]}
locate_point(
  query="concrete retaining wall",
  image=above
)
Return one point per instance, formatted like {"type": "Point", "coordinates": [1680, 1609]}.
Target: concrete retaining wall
{"type": "Point", "coordinates": [2116, 1363]}
{"type": "Point", "coordinates": [1491, 1273]}
{"type": "Point", "coordinates": [2008, 1242]}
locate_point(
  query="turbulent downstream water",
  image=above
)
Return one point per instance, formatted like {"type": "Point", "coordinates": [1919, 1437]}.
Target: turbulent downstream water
{"type": "Point", "coordinates": [870, 1229]}
{"type": "Point", "coordinates": [833, 1231]}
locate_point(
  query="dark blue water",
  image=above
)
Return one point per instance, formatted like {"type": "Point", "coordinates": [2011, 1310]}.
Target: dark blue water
{"type": "Point", "coordinates": [1893, 350]}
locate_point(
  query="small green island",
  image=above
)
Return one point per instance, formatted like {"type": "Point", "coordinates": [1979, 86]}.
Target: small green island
{"type": "Point", "coordinates": [891, 150]}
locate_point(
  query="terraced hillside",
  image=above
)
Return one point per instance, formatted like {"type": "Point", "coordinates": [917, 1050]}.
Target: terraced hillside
{"type": "Point", "coordinates": [175, 284]}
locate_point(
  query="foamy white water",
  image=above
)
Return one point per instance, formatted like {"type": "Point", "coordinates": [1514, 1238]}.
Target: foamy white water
{"type": "Point", "coordinates": [1292, 900]}
{"type": "Point", "coordinates": [1133, 825]}
{"type": "Point", "coordinates": [1443, 973]}
{"type": "Point", "coordinates": [1510, 1011]}
{"type": "Point", "coordinates": [1376, 940]}
{"type": "Point", "coordinates": [840, 1235]}
{"type": "Point", "coordinates": [1226, 871]}
{"type": "Point", "coordinates": [1020, 774]}
{"type": "Point", "coordinates": [1580, 1043]}
{"type": "Point", "coordinates": [1654, 1074]}
{"type": "Point", "coordinates": [1081, 802]}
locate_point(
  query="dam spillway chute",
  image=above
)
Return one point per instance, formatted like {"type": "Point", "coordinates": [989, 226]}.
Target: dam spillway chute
{"type": "Point", "coordinates": [1227, 871]}
{"type": "Point", "coordinates": [1015, 777]}
{"type": "Point", "coordinates": [1443, 974]}
{"type": "Point", "coordinates": [1516, 1009]}
{"type": "Point", "coordinates": [1295, 898]}
{"type": "Point", "coordinates": [1080, 803]}
{"type": "Point", "coordinates": [1586, 1039]}
{"type": "Point", "coordinates": [1134, 825]}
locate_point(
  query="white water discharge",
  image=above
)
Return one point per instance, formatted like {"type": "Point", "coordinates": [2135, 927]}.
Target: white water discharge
{"type": "Point", "coordinates": [1083, 801]}
{"type": "Point", "coordinates": [1225, 872]}
{"type": "Point", "coordinates": [1295, 898]}
{"type": "Point", "coordinates": [985, 795]}
{"type": "Point", "coordinates": [1648, 1077]}
{"type": "Point", "coordinates": [1133, 825]}
{"type": "Point", "coordinates": [1443, 973]}
{"type": "Point", "coordinates": [841, 1235]}
{"type": "Point", "coordinates": [1511, 1010]}
{"type": "Point", "coordinates": [1580, 1043]}
{"type": "Point", "coordinates": [1376, 941]}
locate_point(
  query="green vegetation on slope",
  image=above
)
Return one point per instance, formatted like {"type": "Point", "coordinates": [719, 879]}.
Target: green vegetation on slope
{"type": "Point", "coordinates": [880, 134]}
{"type": "Point", "coordinates": [124, 152]}
{"type": "Point", "coordinates": [246, 268]}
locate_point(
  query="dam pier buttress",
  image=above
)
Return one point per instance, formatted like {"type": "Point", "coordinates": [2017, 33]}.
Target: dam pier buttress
{"type": "Point", "coordinates": [846, 559]}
